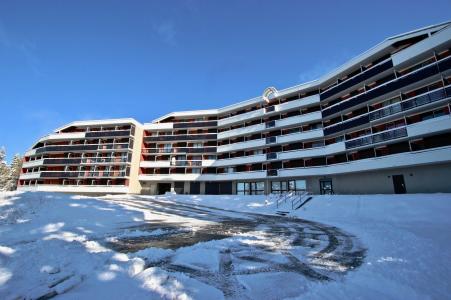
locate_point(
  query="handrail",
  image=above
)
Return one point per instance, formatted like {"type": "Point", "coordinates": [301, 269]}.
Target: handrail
{"type": "Point", "coordinates": [297, 200]}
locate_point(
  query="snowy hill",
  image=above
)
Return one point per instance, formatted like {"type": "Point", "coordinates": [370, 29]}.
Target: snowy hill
{"type": "Point", "coordinates": [73, 247]}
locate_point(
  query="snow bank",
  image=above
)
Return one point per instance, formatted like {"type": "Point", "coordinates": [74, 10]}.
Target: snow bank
{"type": "Point", "coordinates": [54, 244]}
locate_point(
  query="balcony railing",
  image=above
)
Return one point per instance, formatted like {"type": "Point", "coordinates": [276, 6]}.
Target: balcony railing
{"type": "Point", "coordinates": [271, 140]}
{"type": "Point", "coordinates": [195, 124]}
{"type": "Point", "coordinates": [270, 124]}
{"type": "Point", "coordinates": [186, 163]}
{"type": "Point", "coordinates": [357, 121]}
{"type": "Point", "coordinates": [107, 133]}
{"type": "Point", "coordinates": [270, 109]}
{"type": "Point", "coordinates": [271, 172]}
{"type": "Point", "coordinates": [376, 138]}
{"type": "Point", "coordinates": [272, 155]}
{"type": "Point", "coordinates": [180, 150]}
{"type": "Point", "coordinates": [405, 105]}
{"type": "Point", "coordinates": [81, 147]}
{"type": "Point", "coordinates": [188, 137]}
{"type": "Point", "coordinates": [390, 86]}
{"type": "Point", "coordinates": [83, 174]}
{"type": "Point", "coordinates": [95, 160]}
{"type": "Point", "coordinates": [61, 161]}
{"type": "Point", "coordinates": [361, 77]}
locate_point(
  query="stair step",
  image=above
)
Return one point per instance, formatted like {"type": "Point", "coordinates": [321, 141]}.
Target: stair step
{"type": "Point", "coordinates": [282, 213]}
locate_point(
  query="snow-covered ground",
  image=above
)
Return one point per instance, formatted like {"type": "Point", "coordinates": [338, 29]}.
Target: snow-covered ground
{"type": "Point", "coordinates": [141, 247]}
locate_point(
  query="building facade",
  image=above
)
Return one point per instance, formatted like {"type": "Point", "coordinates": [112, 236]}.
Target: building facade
{"type": "Point", "coordinates": [380, 123]}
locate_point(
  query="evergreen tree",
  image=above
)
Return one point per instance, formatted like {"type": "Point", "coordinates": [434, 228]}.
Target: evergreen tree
{"type": "Point", "coordinates": [4, 170]}
{"type": "Point", "coordinates": [14, 173]}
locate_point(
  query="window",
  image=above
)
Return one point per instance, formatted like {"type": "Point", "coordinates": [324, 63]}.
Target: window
{"type": "Point", "coordinates": [296, 186]}
{"type": "Point", "coordinates": [250, 188]}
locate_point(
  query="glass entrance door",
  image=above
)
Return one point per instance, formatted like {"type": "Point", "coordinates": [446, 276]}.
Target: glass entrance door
{"type": "Point", "coordinates": [325, 187]}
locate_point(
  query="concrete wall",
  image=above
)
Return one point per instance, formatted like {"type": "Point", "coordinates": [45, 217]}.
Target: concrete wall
{"type": "Point", "coordinates": [134, 183]}
{"type": "Point", "coordinates": [422, 179]}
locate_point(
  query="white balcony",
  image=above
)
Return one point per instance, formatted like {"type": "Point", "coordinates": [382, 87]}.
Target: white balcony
{"type": "Point", "coordinates": [432, 126]}
{"type": "Point", "coordinates": [298, 103]}
{"type": "Point", "coordinates": [240, 160]}
{"type": "Point", "coordinates": [423, 48]}
{"type": "Point", "coordinates": [241, 118]}
{"type": "Point", "coordinates": [204, 177]}
{"type": "Point", "coordinates": [169, 177]}
{"type": "Point", "coordinates": [208, 162]}
{"type": "Point", "coordinates": [301, 136]}
{"type": "Point", "coordinates": [242, 145]}
{"type": "Point", "coordinates": [157, 126]}
{"type": "Point", "coordinates": [241, 131]}
{"type": "Point", "coordinates": [234, 176]}
{"type": "Point", "coordinates": [74, 189]}
{"type": "Point", "coordinates": [430, 156]}
{"type": "Point", "coordinates": [63, 136]}
{"type": "Point", "coordinates": [297, 120]}
{"type": "Point", "coordinates": [30, 152]}
{"type": "Point", "coordinates": [32, 163]}
{"type": "Point", "coordinates": [155, 164]}
{"type": "Point", "coordinates": [313, 152]}
{"type": "Point", "coordinates": [34, 175]}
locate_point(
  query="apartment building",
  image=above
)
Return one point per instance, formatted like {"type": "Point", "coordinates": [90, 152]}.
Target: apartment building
{"type": "Point", "coordinates": [380, 123]}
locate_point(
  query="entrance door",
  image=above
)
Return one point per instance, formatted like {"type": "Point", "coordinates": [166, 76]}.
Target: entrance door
{"type": "Point", "coordinates": [325, 187]}
{"type": "Point", "coordinates": [194, 188]}
{"type": "Point", "coordinates": [399, 184]}
{"type": "Point", "coordinates": [163, 188]}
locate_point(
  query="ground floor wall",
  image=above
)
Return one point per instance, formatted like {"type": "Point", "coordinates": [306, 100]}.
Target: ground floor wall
{"type": "Point", "coordinates": [419, 179]}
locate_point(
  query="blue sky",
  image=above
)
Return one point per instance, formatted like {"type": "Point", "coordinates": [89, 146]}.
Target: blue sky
{"type": "Point", "coordinates": [73, 60]}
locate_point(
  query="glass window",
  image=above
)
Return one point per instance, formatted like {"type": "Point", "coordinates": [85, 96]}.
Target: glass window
{"type": "Point", "coordinates": [250, 188]}
{"type": "Point", "coordinates": [301, 185]}
{"type": "Point", "coordinates": [291, 185]}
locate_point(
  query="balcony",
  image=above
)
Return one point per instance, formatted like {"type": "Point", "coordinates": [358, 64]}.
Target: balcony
{"type": "Point", "coordinates": [348, 124]}
{"type": "Point", "coordinates": [270, 156]}
{"type": "Point", "coordinates": [359, 78]}
{"type": "Point", "coordinates": [431, 126]}
{"type": "Point", "coordinates": [270, 124]}
{"type": "Point", "coordinates": [271, 173]}
{"type": "Point", "coordinates": [241, 131]}
{"type": "Point", "coordinates": [297, 120]}
{"type": "Point", "coordinates": [393, 85]}
{"type": "Point", "coordinates": [62, 161]}
{"type": "Point", "coordinates": [240, 160]}
{"type": "Point", "coordinates": [271, 140]}
{"type": "Point", "coordinates": [300, 136]}
{"type": "Point", "coordinates": [302, 102]}
{"type": "Point", "coordinates": [82, 174]}
{"type": "Point", "coordinates": [270, 109]}
{"type": "Point", "coordinates": [241, 117]}
{"type": "Point", "coordinates": [430, 97]}
{"type": "Point", "coordinates": [179, 150]}
{"type": "Point", "coordinates": [80, 147]}
{"type": "Point", "coordinates": [105, 160]}
{"type": "Point", "coordinates": [242, 145]}
{"type": "Point", "coordinates": [182, 137]}
{"type": "Point", "coordinates": [436, 155]}
{"type": "Point", "coordinates": [101, 189]}
{"type": "Point", "coordinates": [377, 138]}
{"type": "Point", "coordinates": [65, 148]}
{"type": "Point", "coordinates": [113, 133]}
{"type": "Point", "coordinates": [32, 163]}
{"type": "Point", "coordinates": [331, 149]}
{"type": "Point", "coordinates": [195, 124]}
